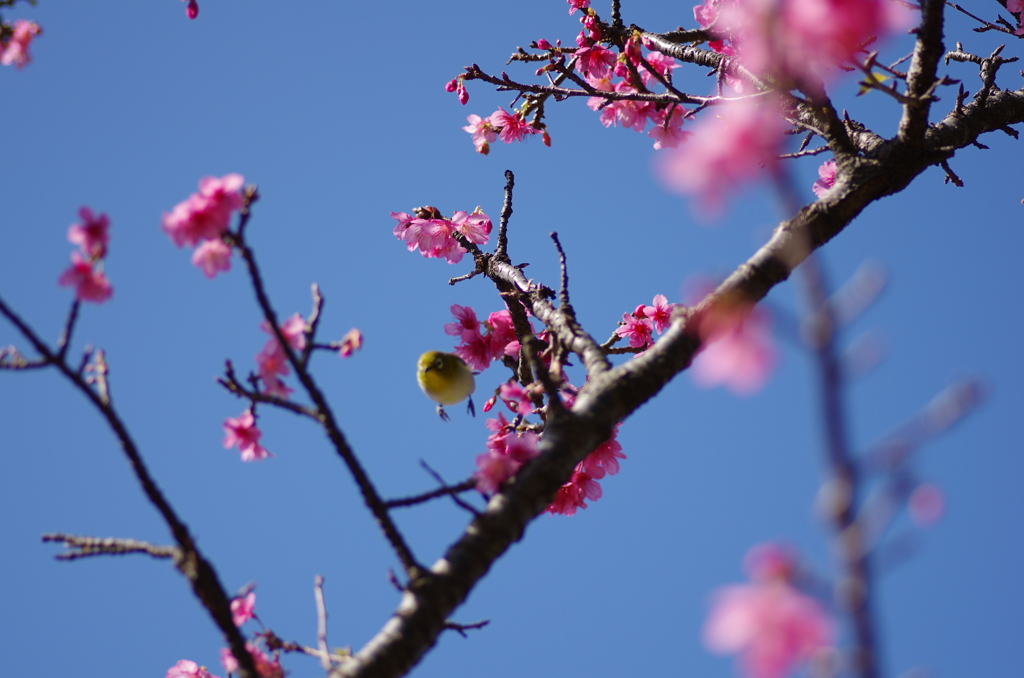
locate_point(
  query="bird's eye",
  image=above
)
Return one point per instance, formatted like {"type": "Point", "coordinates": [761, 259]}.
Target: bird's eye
{"type": "Point", "coordinates": [438, 364]}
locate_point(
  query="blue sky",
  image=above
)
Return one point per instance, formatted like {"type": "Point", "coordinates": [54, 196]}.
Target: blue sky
{"type": "Point", "coordinates": [339, 114]}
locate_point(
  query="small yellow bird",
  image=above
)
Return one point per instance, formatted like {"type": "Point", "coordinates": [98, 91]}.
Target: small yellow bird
{"type": "Point", "coordinates": [446, 379]}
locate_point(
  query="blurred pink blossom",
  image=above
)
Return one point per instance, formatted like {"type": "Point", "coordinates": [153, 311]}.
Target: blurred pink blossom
{"type": "Point", "coordinates": [89, 282]}
{"type": "Point", "coordinates": [827, 174]}
{"type": "Point", "coordinates": [91, 235]}
{"type": "Point", "coordinates": [212, 256]}
{"type": "Point", "coordinates": [725, 151]}
{"type": "Point", "coordinates": [350, 343]}
{"type": "Point", "coordinates": [266, 666]}
{"type": "Point", "coordinates": [926, 504]}
{"type": "Point", "coordinates": [205, 215]}
{"type": "Point", "coordinates": [192, 11]}
{"type": "Point", "coordinates": [243, 609]}
{"type": "Point", "coordinates": [770, 624]}
{"type": "Point", "coordinates": [16, 50]}
{"type": "Point", "coordinates": [187, 668]}
{"type": "Point", "coordinates": [739, 351]}
{"type": "Point", "coordinates": [243, 432]}
{"type": "Point", "coordinates": [293, 330]}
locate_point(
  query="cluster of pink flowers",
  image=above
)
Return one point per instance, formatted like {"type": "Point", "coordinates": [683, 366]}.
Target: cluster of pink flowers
{"type": "Point", "coordinates": [607, 72]}
{"type": "Point", "coordinates": [202, 219]}
{"type": "Point", "coordinates": [826, 178]}
{"type": "Point", "coordinates": [192, 11]}
{"type": "Point", "coordinates": [506, 453]}
{"type": "Point", "coordinates": [727, 150]}
{"type": "Point", "coordinates": [583, 485]}
{"type": "Point", "coordinates": [243, 608]}
{"type": "Point", "coordinates": [796, 41]}
{"type": "Point", "coordinates": [15, 50]}
{"type": "Point", "coordinates": [86, 271]}
{"type": "Point", "coordinates": [432, 234]}
{"type": "Point", "coordinates": [272, 361]}
{"type": "Point", "coordinates": [639, 326]}
{"type": "Point", "coordinates": [508, 449]}
{"type": "Point", "coordinates": [501, 124]}
{"type": "Point", "coordinates": [243, 432]}
{"type": "Point", "coordinates": [738, 349]}
{"type": "Point", "coordinates": [482, 343]}
{"type": "Point", "coordinates": [769, 623]}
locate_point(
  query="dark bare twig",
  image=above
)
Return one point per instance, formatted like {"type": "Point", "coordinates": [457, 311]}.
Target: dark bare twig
{"type": "Point", "coordinates": [450, 491]}
{"type": "Point", "coordinates": [462, 628]}
{"type": "Point", "coordinates": [83, 547]}
{"type": "Point", "coordinates": [463, 486]}
{"type": "Point", "coordinates": [191, 563]}
{"type": "Point", "coordinates": [325, 415]}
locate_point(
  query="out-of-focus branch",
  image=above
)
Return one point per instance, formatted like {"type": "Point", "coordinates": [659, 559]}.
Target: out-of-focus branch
{"type": "Point", "coordinates": [855, 586]}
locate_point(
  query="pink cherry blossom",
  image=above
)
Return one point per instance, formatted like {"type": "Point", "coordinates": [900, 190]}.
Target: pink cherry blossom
{"type": "Point", "coordinates": [827, 174]}
{"type": "Point", "coordinates": [770, 624]}
{"type": "Point", "coordinates": [595, 61]}
{"type": "Point", "coordinates": [502, 333]}
{"type": "Point", "coordinates": [91, 235]}
{"type": "Point", "coordinates": [243, 609]}
{"type": "Point", "coordinates": [266, 666]}
{"type": "Point", "coordinates": [205, 215]}
{"type": "Point", "coordinates": [192, 11]}
{"type": "Point", "coordinates": [272, 364]}
{"type": "Point", "coordinates": [243, 432]}
{"type": "Point", "coordinates": [16, 50]}
{"type": "Point", "coordinates": [577, 4]}
{"type": "Point", "coordinates": [483, 132]}
{"type": "Point", "coordinates": [1015, 6]}
{"type": "Point", "coordinates": [212, 256]}
{"type": "Point", "coordinates": [350, 343]}
{"type": "Point", "coordinates": [187, 668]}
{"type": "Point", "coordinates": [660, 313]}
{"type": "Point", "coordinates": [605, 458]}
{"type": "Point", "coordinates": [573, 494]}
{"type": "Point", "coordinates": [475, 349]}
{"type": "Point", "coordinates": [465, 321]}
{"type": "Point", "coordinates": [293, 330]}
{"type": "Point", "coordinates": [738, 352]}
{"type": "Point", "coordinates": [516, 398]}
{"type": "Point", "coordinates": [89, 282]}
{"type": "Point", "coordinates": [494, 468]}
{"type": "Point", "coordinates": [513, 128]}
{"type": "Point", "coordinates": [506, 454]}
{"type": "Point", "coordinates": [637, 330]}
{"type": "Point", "coordinates": [725, 151]}
{"type": "Point", "coordinates": [672, 134]}
{"type": "Point", "coordinates": [433, 236]}
{"type": "Point", "coordinates": [476, 226]}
